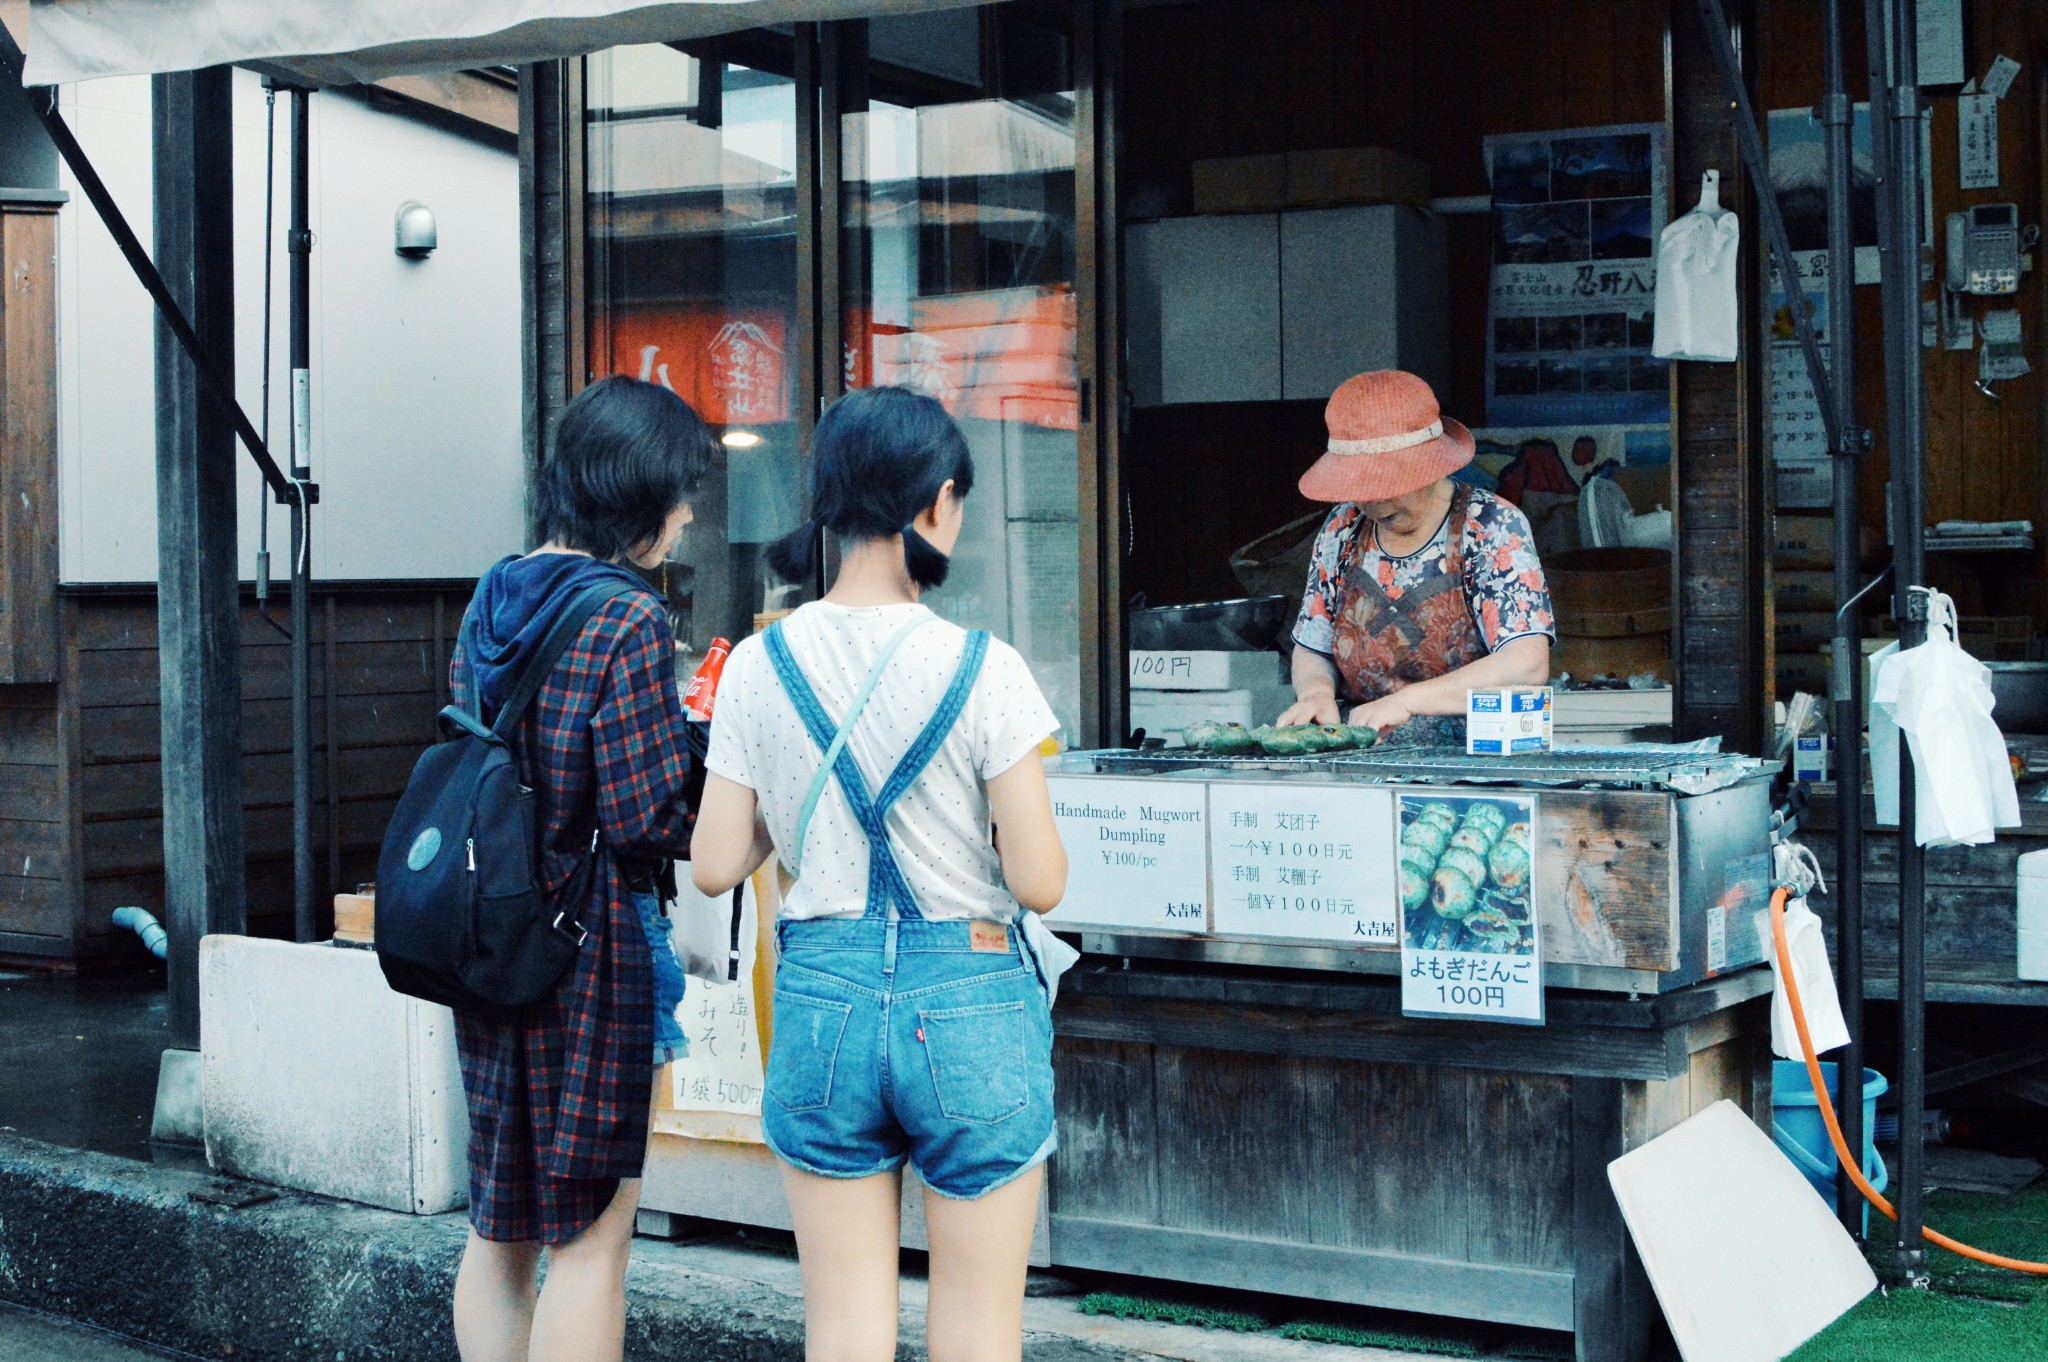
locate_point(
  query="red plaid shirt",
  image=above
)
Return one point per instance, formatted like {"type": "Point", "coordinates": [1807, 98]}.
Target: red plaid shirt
{"type": "Point", "coordinates": [559, 1100]}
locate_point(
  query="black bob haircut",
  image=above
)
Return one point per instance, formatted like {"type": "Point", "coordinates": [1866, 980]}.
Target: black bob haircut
{"type": "Point", "coordinates": [878, 459]}
{"type": "Point", "coordinates": [627, 453]}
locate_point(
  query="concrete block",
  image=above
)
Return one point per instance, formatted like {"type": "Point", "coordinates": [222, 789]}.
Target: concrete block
{"type": "Point", "coordinates": [2033, 962]}
{"type": "Point", "coordinates": [318, 1077]}
{"type": "Point", "coordinates": [180, 1116]}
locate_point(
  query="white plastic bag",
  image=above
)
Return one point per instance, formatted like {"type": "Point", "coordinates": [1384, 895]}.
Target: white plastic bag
{"type": "Point", "coordinates": [1807, 944]}
{"type": "Point", "coordinates": [1940, 698]}
{"type": "Point", "coordinates": [1696, 292]}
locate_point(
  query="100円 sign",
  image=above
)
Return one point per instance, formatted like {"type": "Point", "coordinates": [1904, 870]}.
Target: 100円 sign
{"type": "Point", "coordinates": [1470, 942]}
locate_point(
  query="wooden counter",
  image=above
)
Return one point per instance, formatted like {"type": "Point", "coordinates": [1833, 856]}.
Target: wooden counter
{"type": "Point", "coordinates": [1287, 1132]}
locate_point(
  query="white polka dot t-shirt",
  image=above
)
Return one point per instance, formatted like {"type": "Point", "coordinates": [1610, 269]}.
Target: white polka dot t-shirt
{"type": "Point", "coordinates": [939, 829]}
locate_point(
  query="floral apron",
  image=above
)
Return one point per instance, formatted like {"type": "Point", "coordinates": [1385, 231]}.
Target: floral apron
{"type": "Point", "coordinates": [1385, 640]}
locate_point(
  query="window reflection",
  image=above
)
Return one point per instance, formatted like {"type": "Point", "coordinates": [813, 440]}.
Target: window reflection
{"type": "Point", "coordinates": [958, 247]}
{"type": "Point", "coordinates": [691, 184]}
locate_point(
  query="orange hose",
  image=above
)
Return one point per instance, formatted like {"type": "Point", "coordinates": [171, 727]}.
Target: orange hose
{"type": "Point", "coordinates": [1851, 1164]}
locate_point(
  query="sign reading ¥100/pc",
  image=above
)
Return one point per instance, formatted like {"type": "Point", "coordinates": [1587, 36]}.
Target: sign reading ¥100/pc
{"type": "Point", "coordinates": [1137, 853]}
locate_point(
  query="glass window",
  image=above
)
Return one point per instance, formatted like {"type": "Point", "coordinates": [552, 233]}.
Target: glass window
{"type": "Point", "coordinates": [691, 184]}
{"type": "Point", "coordinates": [957, 265]}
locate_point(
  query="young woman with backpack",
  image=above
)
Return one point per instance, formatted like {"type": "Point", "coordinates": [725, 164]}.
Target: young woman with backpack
{"type": "Point", "coordinates": [912, 1000]}
{"type": "Point", "coordinates": [560, 1092]}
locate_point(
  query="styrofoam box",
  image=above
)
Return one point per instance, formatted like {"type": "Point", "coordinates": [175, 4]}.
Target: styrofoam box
{"type": "Point", "coordinates": [2034, 955]}
{"type": "Point", "coordinates": [317, 1076]}
{"type": "Point", "coordinates": [1164, 713]}
{"type": "Point", "coordinates": [2033, 892]}
{"type": "Point", "coordinates": [1203, 669]}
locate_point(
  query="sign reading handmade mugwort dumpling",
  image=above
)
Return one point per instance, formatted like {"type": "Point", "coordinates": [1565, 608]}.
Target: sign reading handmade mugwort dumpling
{"type": "Point", "coordinates": [1137, 853]}
{"type": "Point", "coordinates": [1305, 861]}
{"type": "Point", "coordinates": [1469, 933]}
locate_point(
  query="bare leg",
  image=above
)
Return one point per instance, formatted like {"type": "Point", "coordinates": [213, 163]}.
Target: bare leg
{"type": "Point", "coordinates": [846, 1240]}
{"type": "Point", "coordinates": [494, 1293]}
{"type": "Point", "coordinates": [581, 1316]}
{"type": "Point", "coordinates": [980, 1250]}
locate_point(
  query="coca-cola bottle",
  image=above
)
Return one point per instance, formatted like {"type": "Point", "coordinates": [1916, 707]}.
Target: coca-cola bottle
{"type": "Point", "coordinates": [702, 693]}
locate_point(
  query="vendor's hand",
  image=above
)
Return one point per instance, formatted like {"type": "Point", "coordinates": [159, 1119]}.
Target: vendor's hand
{"type": "Point", "coordinates": [1389, 711]}
{"type": "Point", "coordinates": [1316, 709]}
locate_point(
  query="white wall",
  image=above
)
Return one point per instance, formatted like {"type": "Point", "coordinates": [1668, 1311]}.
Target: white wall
{"type": "Point", "coordinates": [416, 364]}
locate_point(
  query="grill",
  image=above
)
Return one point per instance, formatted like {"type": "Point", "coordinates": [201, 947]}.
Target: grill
{"type": "Point", "coordinates": [1682, 772]}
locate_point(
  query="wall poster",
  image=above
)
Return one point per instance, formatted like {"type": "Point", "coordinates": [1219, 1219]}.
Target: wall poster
{"type": "Point", "coordinates": [1470, 946]}
{"type": "Point", "coordinates": [1576, 216]}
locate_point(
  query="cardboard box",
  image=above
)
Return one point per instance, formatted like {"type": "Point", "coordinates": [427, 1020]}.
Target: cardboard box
{"type": "Point", "coordinates": [1506, 720]}
{"type": "Point", "coordinates": [1345, 175]}
{"type": "Point", "coordinates": [355, 918]}
{"type": "Point", "coordinates": [1241, 184]}
{"type": "Point", "coordinates": [1806, 591]}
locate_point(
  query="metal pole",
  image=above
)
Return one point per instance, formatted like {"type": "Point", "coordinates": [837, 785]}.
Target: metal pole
{"type": "Point", "coordinates": [300, 247]}
{"type": "Point", "coordinates": [1836, 116]}
{"type": "Point", "coordinates": [1909, 518]}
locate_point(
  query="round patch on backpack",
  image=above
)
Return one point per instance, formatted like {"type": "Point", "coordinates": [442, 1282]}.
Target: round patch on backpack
{"type": "Point", "coordinates": [425, 847]}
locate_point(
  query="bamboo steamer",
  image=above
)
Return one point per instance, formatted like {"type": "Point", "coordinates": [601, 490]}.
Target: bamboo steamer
{"type": "Point", "coordinates": [1613, 609]}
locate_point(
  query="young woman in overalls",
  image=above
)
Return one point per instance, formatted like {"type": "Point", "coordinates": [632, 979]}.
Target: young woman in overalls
{"type": "Point", "coordinates": [871, 746]}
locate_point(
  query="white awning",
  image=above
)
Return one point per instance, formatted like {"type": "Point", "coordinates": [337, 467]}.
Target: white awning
{"type": "Point", "coordinates": [345, 42]}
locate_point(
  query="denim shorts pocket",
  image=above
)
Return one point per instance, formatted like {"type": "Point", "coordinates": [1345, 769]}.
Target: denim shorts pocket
{"type": "Point", "coordinates": [805, 1050]}
{"type": "Point", "coordinates": [977, 1060]}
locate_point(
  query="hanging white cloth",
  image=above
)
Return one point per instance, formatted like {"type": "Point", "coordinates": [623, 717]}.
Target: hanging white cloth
{"type": "Point", "coordinates": [1940, 698]}
{"type": "Point", "coordinates": [1807, 944]}
{"type": "Point", "coordinates": [1696, 293]}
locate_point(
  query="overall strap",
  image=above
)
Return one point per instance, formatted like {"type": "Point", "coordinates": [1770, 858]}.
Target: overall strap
{"type": "Point", "coordinates": [817, 724]}
{"type": "Point", "coordinates": [938, 726]}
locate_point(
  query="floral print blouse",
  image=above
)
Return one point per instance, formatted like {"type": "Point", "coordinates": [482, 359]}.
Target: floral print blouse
{"type": "Point", "coordinates": [1503, 579]}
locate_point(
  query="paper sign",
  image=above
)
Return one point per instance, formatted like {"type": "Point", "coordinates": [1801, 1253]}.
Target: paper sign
{"type": "Point", "coordinates": [1137, 853]}
{"type": "Point", "coordinates": [1304, 861]}
{"type": "Point", "coordinates": [1999, 78]}
{"type": "Point", "coordinates": [1977, 133]}
{"type": "Point", "coordinates": [722, 1072]}
{"type": "Point", "coordinates": [1469, 941]}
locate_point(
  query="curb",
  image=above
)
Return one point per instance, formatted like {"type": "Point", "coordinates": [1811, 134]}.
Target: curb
{"type": "Point", "coordinates": [301, 1278]}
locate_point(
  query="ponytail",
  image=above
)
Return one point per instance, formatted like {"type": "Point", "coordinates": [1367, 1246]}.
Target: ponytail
{"type": "Point", "coordinates": [926, 565]}
{"type": "Point", "coordinates": [795, 556]}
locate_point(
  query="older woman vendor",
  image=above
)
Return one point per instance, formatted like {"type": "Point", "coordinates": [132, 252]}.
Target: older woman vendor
{"type": "Point", "coordinates": [1421, 587]}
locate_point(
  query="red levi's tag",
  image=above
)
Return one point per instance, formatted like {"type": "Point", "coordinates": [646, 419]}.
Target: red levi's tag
{"type": "Point", "coordinates": [989, 936]}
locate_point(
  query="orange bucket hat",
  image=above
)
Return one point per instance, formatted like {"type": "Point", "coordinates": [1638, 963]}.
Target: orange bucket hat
{"type": "Point", "coordinates": [1388, 438]}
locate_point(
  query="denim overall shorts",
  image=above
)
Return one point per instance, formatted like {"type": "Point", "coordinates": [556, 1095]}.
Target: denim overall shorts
{"type": "Point", "coordinates": [897, 1038]}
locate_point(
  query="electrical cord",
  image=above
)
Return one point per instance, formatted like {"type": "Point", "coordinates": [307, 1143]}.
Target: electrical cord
{"type": "Point", "coordinates": [1849, 1163]}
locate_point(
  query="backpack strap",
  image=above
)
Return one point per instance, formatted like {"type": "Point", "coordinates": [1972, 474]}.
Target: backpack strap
{"type": "Point", "coordinates": [566, 627]}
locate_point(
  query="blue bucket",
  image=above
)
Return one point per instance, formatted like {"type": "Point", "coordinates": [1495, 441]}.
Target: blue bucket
{"type": "Point", "coordinates": [1796, 1124]}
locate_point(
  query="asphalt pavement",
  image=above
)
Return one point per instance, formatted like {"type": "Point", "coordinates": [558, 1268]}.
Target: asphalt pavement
{"type": "Point", "coordinates": [26, 1336]}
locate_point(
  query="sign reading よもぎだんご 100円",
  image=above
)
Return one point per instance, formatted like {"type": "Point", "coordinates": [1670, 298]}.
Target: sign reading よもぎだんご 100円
{"type": "Point", "coordinates": [1137, 853]}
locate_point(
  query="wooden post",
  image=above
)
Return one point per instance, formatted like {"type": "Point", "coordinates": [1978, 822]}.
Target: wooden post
{"type": "Point", "coordinates": [1724, 637]}
{"type": "Point", "coordinates": [198, 607]}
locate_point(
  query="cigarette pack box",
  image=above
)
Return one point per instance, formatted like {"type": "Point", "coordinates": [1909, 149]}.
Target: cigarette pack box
{"type": "Point", "coordinates": [1504, 720]}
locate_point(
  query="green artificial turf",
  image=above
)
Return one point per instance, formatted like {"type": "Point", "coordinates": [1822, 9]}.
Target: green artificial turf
{"type": "Point", "coordinates": [1170, 1312]}
{"type": "Point", "coordinates": [1924, 1326]}
{"type": "Point", "coordinates": [1379, 1338]}
{"type": "Point", "coordinates": [1974, 1313]}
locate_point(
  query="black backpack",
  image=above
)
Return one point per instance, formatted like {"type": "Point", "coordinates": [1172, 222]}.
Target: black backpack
{"type": "Point", "coordinates": [461, 918]}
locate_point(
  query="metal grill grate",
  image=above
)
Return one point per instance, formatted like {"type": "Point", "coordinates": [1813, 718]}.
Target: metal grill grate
{"type": "Point", "coordinates": [1688, 772]}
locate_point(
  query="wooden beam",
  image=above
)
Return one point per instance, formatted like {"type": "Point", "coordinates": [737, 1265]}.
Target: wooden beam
{"type": "Point", "coordinates": [486, 101]}
{"type": "Point", "coordinates": [28, 440]}
{"type": "Point", "coordinates": [199, 622]}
